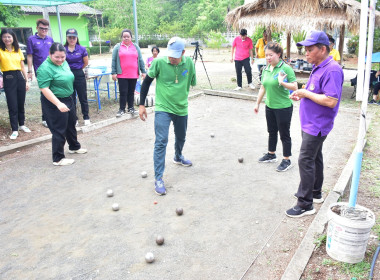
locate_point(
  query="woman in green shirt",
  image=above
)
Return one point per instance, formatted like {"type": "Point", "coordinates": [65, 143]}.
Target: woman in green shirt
{"type": "Point", "coordinates": [277, 79]}
{"type": "Point", "coordinates": [55, 81]}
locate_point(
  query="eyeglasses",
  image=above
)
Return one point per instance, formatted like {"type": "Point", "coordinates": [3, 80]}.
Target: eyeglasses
{"type": "Point", "coordinates": [71, 38]}
{"type": "Point", "coordinates": [43, 29]}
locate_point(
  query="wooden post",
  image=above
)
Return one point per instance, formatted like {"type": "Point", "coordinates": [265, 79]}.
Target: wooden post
{"type": "Point", "coordinates": [341, 42]}
{"type": "Point", "coordinates": [288, 44]}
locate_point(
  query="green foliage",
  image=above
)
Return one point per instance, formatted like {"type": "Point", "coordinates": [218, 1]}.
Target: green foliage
{"type": "Point", "coordinates": [180, 17]}
{"type": "Point", "coordinates": [159, 43]}
{"type": "Point", "coordinates": [10, 15]}
{"type": "Point", "coordinates": [276, 36]}
{"type": "Point", "coordinates": [215, 40]}
{"type": "Point", "coordinates": [96, 50]}
{"type": "Point", "coordinates": [320, 240]}
{"type": "Point", "coordinates": [376, 39]}
{"type": "Point", "coordinates": [298, 37]}
{"type": "Point", "coordinates": [358, 270]}
{"type": "Point", "coordinates": [111, 34]}
{"type": "Point", "coordinates": [353, 45]}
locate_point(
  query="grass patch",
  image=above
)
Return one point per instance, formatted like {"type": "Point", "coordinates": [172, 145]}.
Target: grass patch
{"type": "Point", "coordinates": [320, 240]}
{"type": "Point", "coordinates": [358, 270]}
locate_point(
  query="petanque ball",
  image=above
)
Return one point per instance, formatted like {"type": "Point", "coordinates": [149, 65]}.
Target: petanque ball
{"type": "Point", "coordinates": [240, 159]}
{"type": "Point", "coordinates": [109, 193]}
{"type": "Point", "coordinates": [144, 174]}
{"type": "Point", "coordinates": [115, 207]}
{"type": "Point", "coordinates": [149, 257]}
{"type": "Point", "coordinates": [160, 240]}
{"type": "Point", "coordinates": [179, 211]}
{"type": "Point", "coordinates": [212, 135]}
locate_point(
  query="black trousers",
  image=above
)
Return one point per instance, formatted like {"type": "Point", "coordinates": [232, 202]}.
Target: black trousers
{"type": "Point", "coordinates": [15, 91]}
{"type": "Point", "coordinates": [310, 163]}
{"type": "Point", "coordinates": [239, 64]}
{"type": "Point", "coordinates": [61, 125]}
{"type": "Point", "coordinates": [127, 92]}
{"type": "Point", "coordinates": [376, 88]}
{"type": "Point", "coordinates": [80, 87]}
{"type": "Point", "coordinates": [278, 121]}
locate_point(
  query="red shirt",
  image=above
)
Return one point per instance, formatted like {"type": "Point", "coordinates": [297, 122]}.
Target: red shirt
{"type": "Point", "coordinates": [128, 62]}
{"type": "Point", "coordinates": [242, 47]}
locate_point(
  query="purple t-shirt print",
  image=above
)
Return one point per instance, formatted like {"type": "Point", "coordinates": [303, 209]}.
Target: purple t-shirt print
{"type": "Point", "coordinates": [39, 48]}
{"type": "Point", "coordinates": [326, 78]}
{"type": "Point", "coordinates": [75, 58]}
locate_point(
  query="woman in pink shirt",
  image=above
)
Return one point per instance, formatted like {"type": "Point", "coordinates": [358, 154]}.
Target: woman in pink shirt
{"type": "Point", "coordinates": [155, 52]}
{"type": "Point", "coordinates": [127, 64]}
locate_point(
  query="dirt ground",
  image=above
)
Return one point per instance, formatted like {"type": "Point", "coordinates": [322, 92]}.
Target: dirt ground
{"type": "Point", "coordinates": [57, 222]}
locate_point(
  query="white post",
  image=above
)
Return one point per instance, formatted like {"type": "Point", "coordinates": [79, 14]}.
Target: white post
{"type": "Point", "coordinates": [362, 46]}
{"type": "Point", "coordinates": [363, 112]}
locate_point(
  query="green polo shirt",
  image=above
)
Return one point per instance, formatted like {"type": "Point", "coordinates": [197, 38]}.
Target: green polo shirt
{"type": "Point", "coordinates": [277, 96]}
{"type": "Point", "coordinates": [171, 96]}
{"type": "Point", "coordinates": [58, 78]}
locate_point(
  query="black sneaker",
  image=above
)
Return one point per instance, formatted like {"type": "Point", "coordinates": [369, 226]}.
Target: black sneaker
{"type": "Point", "coordinates": [268, 158]}
{"type": "Point", "coordinates": [298, 212]}
{"type": "Point", "coordinates": [132, 111]}
{"type": "Point", "coordinates": [284, 165]}
{"type": "Point", "coordinates": [372, 102]}
{"type": "Point", "coordinates": [318, 199]}
{"type": "Point", "coordinates": [120, 113]}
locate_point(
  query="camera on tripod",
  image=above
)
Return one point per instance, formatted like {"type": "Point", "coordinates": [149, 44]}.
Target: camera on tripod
{"type": "Point", "coordinates": [195, 43]}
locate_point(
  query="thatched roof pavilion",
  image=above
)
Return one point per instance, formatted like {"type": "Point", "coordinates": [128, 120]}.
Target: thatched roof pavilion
{"type": "Point", "coordinates": [296, 15]}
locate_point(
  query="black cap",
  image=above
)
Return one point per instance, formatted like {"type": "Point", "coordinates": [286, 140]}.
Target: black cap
{"type": "Point", "coordinates": [71, 32]}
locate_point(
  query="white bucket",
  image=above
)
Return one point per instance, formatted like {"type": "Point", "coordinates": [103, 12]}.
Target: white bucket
{"type": "Point", "coordinates": [347, 239]}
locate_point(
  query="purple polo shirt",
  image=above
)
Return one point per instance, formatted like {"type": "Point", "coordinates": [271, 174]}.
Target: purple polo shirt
{"type": "Point", "coordinates": [75, 58]}
{"type": "Point", "coordinates": [326, 78]}
{"type": "Point", "coordinates": [39, 48]}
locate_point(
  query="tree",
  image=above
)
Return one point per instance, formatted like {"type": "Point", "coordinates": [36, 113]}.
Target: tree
{"type": "Point", "coordinates": [10, 15]}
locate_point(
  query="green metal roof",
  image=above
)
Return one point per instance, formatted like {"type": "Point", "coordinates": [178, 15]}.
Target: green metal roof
{"type": "Point", "coordinates": [42, 3]}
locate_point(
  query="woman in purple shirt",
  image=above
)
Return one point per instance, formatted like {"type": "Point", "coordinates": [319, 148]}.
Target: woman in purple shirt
{"type": "Point", "coordinates": [77, 58]}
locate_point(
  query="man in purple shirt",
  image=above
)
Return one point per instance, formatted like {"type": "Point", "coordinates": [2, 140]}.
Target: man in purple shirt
{"type": "Point", "coordinates": [318, 108]}
{"type": "Point", "coordinates": [38, 50]}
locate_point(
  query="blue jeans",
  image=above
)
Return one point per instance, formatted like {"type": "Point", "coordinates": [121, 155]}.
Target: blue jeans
{"type": "Point", "coordinates": [161, 129]}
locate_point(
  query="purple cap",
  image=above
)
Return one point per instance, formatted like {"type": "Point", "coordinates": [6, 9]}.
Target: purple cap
{"type": "Point", "coordinates": [315, 37]}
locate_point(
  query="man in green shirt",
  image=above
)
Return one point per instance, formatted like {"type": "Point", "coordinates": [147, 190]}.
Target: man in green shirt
{"type": "Point", "coordinates": [175, 74]}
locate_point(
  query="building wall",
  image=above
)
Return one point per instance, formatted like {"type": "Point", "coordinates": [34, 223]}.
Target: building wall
{"type": "Point", "coordinates": [80, 24]}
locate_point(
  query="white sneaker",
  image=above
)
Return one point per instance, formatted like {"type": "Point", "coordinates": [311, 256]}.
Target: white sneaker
{"type": "Point", "coordinates": [14, 135]}
{"type": "Point", "coordinates": [64, 161]}
{"type": "Point", "coordinates": [44, 123]}
{"type": "Point", "coordinates": [238, 88]}
{"type": "Point", "coordinates": [252, 86]}
{"type": "Point", "coordinates": [24, 128]}
{"type": "Point", "coordinates": [87, 122]}
{"type": "Point", "coordinates": [77, 123]}
{"type": "Point", "coordinates": [79, 151]}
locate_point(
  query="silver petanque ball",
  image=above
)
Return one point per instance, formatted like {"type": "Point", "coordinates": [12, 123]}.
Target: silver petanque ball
{"type": "Point", "coordinates": [160, 240]}
{"type": "Point", "coordinates": [144, 174]}
{"type": "Point", "coordinates": [212, 135]}
{"type": "Point", "coordinates": [115, 207]}
{"type": "Point", "coordinates": [240, 159]}
{"type": "Point", "coordinates": [149, 257]}
{"type": "Point", "coordinates": [179, 211]}
{"type": "Point", "coordinates": [109, 193]}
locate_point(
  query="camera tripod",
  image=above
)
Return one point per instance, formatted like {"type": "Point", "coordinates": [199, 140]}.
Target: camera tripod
{"type": "Point", "coordinates": [195, 58]}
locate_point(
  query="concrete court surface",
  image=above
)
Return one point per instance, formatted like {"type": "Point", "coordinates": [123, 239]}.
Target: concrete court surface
{"type": "Point", "coordinates": [57, 222]}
